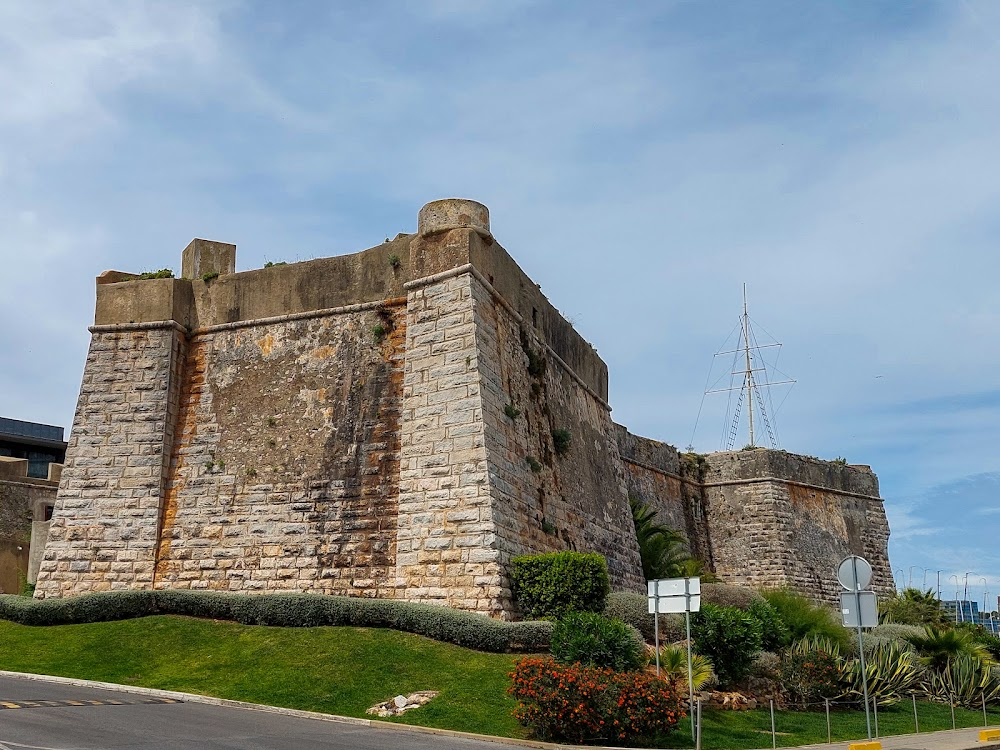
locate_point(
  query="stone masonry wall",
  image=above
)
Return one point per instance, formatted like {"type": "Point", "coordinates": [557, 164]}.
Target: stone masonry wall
{"type": "Point", "coordinates": [545, 499]}
{"type": "Point", "coordinates": [284, 468]}
{"type": "Point", "coordinates": [658, 476]}
{"type": "Point", "coordinates": [310, 428]}
{"type": "Point", "coordinates": [778, 519]}
{"type": "Point", "coordinates": [22, 499]}
{"type": "Point", "coordinates": [764, 518]}
{"type": "Point", "coordinates": [447, 541]}
{"type": "Point", "coordinates": [104, 529]}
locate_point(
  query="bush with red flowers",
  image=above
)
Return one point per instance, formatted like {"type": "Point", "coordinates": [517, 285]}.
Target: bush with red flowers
{"type": "Point", "coordinates": [582, 704]}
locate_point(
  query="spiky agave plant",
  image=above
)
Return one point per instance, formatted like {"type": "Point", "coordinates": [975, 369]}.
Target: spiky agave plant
{"type": "Point", "coordinates": [893, 671]}
{"type": "Point", "coordinates": [964, 681]}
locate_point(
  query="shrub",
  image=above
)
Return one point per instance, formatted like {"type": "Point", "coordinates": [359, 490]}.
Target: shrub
{"type": "Point", "coordinates": [163, 273]}
{"type": "Point", "coordinates": [766, 665]}
{"type": "Point", "coordinates": [805, 619]}
{"type": "Point", "coordinates": [811, 671]}
{"type": "Point", "coordinates": [633, 609]}
{"type": "Point", "coordinates": [893, 632]}
{"type": "Point", "coordinates": [939, 646]}
{"type": "Point", "coordinates": [561, 439]}
{"type": "Point", "coordinates": [912, 607]}
{"type": "Point", "coordinates": [663, 551]}
{"type": "Point", "coordinates": [286, 610]}
{"type": "Point", "coordinates": [596, 641]}
{"type": "Point", "coordinates": [728, 595]}
{"type": "Point", "coordinates": [553, 584]}
{"type": "Point", "coordinates": [774, 632]}
{"type": "Point", "coordinates": [729, 637]}
{"type": "Point", "coordinates": [582, 704]}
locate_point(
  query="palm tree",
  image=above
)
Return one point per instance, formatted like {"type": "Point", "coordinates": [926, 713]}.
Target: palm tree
{"type": "Point", "coordinates": [664, 551]}
{"type": "Point", "coordinates": [913, 607]}
{"type": "Point", "coordinates": [938, 647]}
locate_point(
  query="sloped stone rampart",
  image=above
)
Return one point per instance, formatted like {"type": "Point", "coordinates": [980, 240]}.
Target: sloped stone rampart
{"type": "Point", "coordinates": [103, 534]}
{"type": "Point", "coordinates": [545, 498]}
{"type": "Point", "coordinates": [447, 542]}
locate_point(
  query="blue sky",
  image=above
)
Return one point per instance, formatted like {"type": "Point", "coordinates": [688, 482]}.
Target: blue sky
{"type": "Point", "coordinates": [641, 161]}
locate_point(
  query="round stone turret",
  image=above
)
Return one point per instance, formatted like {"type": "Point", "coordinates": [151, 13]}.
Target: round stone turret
{"type": "Point", "coordinates": [453, 213]}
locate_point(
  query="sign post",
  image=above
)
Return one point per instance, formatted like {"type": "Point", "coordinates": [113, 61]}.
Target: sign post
{"type": "Point", "coordinates": [859, 609]}
{"type": "Point", "coordinates": [675, 595]}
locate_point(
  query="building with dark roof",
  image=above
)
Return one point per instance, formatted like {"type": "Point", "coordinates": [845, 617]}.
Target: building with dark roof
{"type": "Point", "coordinates": [31, 457]}
{"type": "Point", "coordinates": [40, 444]}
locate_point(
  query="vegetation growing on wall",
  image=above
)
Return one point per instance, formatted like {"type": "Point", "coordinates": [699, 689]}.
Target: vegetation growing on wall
{"type": "Point", "coordinates": [163, 273]}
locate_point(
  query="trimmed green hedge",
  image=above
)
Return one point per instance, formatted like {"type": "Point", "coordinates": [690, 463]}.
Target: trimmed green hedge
{"type": "Point", "coordinates": [553, 584]}
{"type": "Point", "coordinates": [287, 610]}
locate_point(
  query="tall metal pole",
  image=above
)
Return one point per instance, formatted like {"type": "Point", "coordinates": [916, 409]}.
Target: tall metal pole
{"type": "Point", "coordinates": [687, 621]}
{"type": "Point", "coordinates": [939, 585]}
{"type": "Point", "coordinates": [861, 647]}
{"type": "Point", "coordinates": [749, 373]}
{"type": "Point", "coordinates": [656, 629]}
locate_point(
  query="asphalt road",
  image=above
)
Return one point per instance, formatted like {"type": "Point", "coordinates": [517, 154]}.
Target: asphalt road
{"type": "Point", "coordinates": [39, 715]}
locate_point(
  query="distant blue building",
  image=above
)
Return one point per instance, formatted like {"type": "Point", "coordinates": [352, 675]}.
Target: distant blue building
{"type": "Point", "coordinates": [965, 610]}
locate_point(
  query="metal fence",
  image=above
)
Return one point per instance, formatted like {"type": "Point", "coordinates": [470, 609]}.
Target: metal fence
{"type": "Point", "coordinates": [834, 721]}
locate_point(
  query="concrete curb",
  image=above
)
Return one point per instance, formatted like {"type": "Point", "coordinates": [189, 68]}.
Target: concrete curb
{"type": "Point", "coordinates": [376, 724]}
{"type": "Point", "coordinates": [211, 701]}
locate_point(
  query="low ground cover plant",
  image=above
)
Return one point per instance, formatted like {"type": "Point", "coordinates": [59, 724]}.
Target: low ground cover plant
{"type": "Point", "coordinates": [286, 610]}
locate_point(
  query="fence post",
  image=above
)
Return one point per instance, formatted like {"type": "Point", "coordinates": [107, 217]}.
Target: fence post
{"type": "Point", "coordinates": [875, 713]}
{"type": "Point", "coordinates": [916, 719]}
{"type": "Point", "coordinates": [697, 742]}
{"type": "Point", "coordinates": [774, 736]}
{"type": "Point", "coordinates": [952, 704]}
{"type": "Point", "coordinates": [986, 721]}
{"type": "Point", "coordinates": [829, 734]}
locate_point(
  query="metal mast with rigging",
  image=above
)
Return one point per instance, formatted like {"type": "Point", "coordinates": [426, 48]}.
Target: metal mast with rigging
{"type": "Point", "coordinates": [748, 384]}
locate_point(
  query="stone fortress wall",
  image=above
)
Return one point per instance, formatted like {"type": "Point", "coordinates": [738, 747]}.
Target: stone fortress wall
{"type": "Point", "coordinates": [765, 518]}
{"type": "Point", "coordinates": [25, 506]}
{"type": "Point", "coordinates": [393, 423]}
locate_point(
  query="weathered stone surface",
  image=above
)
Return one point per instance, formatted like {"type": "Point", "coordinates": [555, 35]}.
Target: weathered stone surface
{"type": "Point", "coordinates": [112, 486]}
{"type": "Point", "coordinates": [23, 500]}
{"type": "Point", "coordinates": [397, 423]}
{"type": "Point", "coordinates": [764, 517]}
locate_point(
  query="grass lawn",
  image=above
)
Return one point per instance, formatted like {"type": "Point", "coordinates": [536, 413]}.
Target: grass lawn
{"type": "Point", "coordinates": [345, 670]}
{"type": "Point", "coordinates": [333, 670]}
{"type": "Point", "coordinates": [743, 730]}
